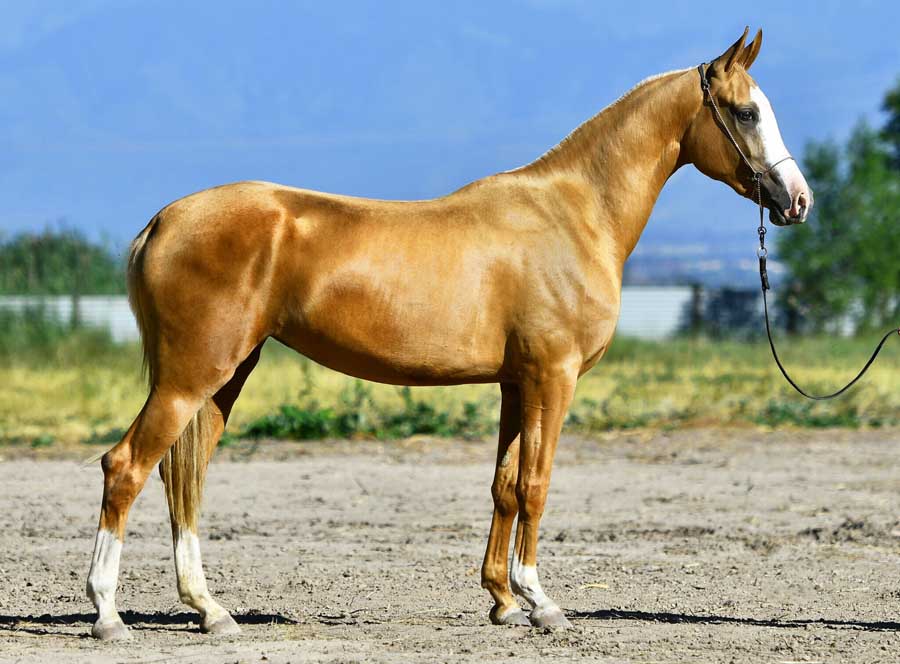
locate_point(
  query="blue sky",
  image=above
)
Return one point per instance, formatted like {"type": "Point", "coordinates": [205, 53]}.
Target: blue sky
{"type": "Point", "coordinates": [112, 109]}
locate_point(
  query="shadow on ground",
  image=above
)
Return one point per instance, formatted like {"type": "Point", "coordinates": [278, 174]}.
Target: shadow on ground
{"type": "Point", "coordinates": [675, 618]}
{"type": "Point", "coordinates": [137, 620]}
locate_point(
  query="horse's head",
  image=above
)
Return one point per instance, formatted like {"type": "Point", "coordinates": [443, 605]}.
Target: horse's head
{"type": "Point", "coordinates": [748, 116]}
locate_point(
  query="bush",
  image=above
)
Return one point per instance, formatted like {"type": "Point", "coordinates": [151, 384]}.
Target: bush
{"type": "Point", "coordinates": [357, 415]}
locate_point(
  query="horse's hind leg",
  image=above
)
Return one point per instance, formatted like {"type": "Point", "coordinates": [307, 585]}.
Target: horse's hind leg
{"type": "Point", "coordinates": [192, 588]}
{"type": "Point", "coordinates": [494, 574]}
{"type": "Point", "coordinates": [126, 467]}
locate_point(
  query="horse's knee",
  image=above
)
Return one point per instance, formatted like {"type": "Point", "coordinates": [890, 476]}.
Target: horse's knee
{"type": "Point", "coordinates": [114, 460]}
{"type": "Point", "coordinates": [118, 467]}
{"type": "Point", "coordinates": [118, 471]}
{"type": "Point", "coordinates": [122, 482]}
{"type": "Point", "coordinates": [531, 497]}
{"type": "Point", "coordinates": [503, 492]}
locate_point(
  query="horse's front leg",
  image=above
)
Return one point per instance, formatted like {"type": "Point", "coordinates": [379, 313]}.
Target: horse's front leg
{"type": "Point", "coordinates": [545, 402]}
{"type": "Point", "coordinates": [495, 570]}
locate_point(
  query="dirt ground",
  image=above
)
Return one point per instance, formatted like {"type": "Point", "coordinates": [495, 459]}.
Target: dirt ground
{"type": "Point", "coordinates": [701, 546]}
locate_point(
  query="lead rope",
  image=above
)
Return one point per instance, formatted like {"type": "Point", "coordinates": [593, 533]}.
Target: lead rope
{"type": "Point", "coordinates": [762, 253]}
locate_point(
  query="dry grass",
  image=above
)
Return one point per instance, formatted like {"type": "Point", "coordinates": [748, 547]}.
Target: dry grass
{"type": "Point", "coordinates": [67, 398]}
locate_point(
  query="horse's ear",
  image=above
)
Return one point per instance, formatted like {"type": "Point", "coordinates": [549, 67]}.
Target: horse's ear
{"type": "Point", "coordinates": [752, 50]}
{"type": "Point", "coordinates": [726, 61]}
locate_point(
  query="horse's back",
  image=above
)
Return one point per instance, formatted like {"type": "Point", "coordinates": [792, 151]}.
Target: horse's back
{"type": "Point", "coordinates": [398, 291]}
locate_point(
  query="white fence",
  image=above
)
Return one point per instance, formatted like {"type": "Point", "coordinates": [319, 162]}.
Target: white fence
{"type": "Point", "coordinates": [648, 312]}
{"type": "Point", "coordinates": [653, 312]}
{"type": "Point", "coordinates": [107, 311]}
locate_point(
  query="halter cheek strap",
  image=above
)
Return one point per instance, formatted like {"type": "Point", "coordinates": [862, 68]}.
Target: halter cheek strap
{"type": "Point", "coordinates": [762, 252]}
{"type": "Point", "coordinates": [757, 175]}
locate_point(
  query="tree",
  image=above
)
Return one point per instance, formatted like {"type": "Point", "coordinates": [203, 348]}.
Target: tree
{"type": "Point", "coordinates": [873, 194]}
{"type": "Point", "coordinates": [811, 252]}
{"type": "Point", "coordinates": [58, 263]}
{"type": "Point", "coordinates": [845, 263]}
{"type": "Point", "coordinates": [890, 134]}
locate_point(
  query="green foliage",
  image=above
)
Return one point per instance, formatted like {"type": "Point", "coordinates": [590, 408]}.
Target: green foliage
{"type": "Point", "coordinates": [58, 263]}
{"type": "Point", "coordinates": [54, 263]}
{"type": "Point", "coordinates": [844, 262]}
{"type": "Point", "coordinates": [812, 251]}
{"type": "Point", "coordinates": [358, 415]}
{"type": "Point", "coordinates": [33, 338]}
{"type": "Point", "coordinates": [105, 438]}
{"type": "Point", "coordinates": [44, 440]}
{"type": "Point", "coordinates": [307, 423]}
{"type": "Point", "coordinates": [79, 386]}
{"type": "Point", "coordinates": [845, 414]}
{"type": "Point", "coordinates": [890, 134]}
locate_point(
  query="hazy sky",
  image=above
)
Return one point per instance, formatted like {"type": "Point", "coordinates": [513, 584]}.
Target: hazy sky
{"type": "Point", "coordinates": [112, 109]}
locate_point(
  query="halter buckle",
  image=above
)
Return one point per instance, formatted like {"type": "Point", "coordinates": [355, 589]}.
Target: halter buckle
{"type": "Point", "coordinates": [704, 82]}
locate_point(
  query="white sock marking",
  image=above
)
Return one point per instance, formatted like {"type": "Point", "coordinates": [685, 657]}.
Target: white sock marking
{"type": "Point", "coordinates": [104, 575]}
{"type": "Point", "coordinates": [192, 587]}
{"type": "Point", "coordinates": [524, 581]}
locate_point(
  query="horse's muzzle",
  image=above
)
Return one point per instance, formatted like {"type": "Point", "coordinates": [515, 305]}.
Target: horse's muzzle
{"type": "Point", "coordinates": [787, 205]}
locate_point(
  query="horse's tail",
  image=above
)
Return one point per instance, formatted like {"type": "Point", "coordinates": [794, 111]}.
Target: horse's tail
{"type": "Point", "coordinates": [138, 299]}
{"type": "Point", "coordinates": [183, 468]}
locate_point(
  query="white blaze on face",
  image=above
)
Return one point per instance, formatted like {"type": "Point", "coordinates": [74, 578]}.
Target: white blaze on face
{"type": "Point", "coordinates": [774, 151]}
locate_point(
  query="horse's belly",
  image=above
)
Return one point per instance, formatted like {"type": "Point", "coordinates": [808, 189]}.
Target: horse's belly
{"type": "Point", "coordinates": [401, 339]}
{"type": "Point", "coordinates": [394, 361]}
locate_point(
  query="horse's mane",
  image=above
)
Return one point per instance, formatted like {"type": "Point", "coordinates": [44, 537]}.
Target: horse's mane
{"type": "Point", "coordinates": [567, 141]}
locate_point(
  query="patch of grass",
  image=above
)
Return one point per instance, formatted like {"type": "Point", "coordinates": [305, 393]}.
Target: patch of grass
{"type": "Point", "coordinates": [814, 415]}
{"type": "Point", "coordinates": [297, 423]}
{"type": "Point", "coordinates": [359, 415]}
{"type": "Point", "coordinates": [44, 440]}
{"type": "Point", "coordinates": [78, 387]}
{"type": "Point", "coordinates": [31, 338]}
{"type": "Point", "coordinates": [107, 437]}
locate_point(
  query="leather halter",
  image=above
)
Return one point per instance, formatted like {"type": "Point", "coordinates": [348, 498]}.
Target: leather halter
{"type": "Point", "coordinates": [762, 252]}
{"type": "Point", "coordinates": [757, 175]}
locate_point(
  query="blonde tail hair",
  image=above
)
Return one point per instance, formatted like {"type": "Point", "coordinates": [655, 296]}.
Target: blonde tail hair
{"type": "Point", "coordinates": [183, 470]}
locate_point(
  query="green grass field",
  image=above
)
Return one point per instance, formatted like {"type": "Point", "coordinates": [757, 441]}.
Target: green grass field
{"type": "Point", "coordinates": [81, 388]}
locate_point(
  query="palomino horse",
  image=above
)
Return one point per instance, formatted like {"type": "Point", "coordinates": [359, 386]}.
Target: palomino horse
{"type": "Point", "coordinates": [514, 279]}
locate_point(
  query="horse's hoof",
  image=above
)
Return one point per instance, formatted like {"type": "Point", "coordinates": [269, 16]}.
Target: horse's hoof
{"type": "Point", "coordinates": [222, 626]}
{"type": "Point", "coordinates": [551, 617]}
{"type": "Point", "coordinates": [513, 616]}
{"type": "Point", "coordinates": [114, 630]}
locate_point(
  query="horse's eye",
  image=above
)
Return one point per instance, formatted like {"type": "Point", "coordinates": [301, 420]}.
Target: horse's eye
{"type": "Point", "coordinates": [745, 115]}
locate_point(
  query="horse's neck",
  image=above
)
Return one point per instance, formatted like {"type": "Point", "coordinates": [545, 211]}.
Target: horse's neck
{"type": "Point", "coordinates": [626, 153]}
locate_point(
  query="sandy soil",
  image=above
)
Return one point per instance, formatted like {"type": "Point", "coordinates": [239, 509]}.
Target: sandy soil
{"type": "Point", "coordinates": [701, 546]}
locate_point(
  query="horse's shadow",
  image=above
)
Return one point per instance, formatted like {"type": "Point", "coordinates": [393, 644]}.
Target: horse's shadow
{"type": "Point", "coordinates": [47, 624]}
{"type": "Point", "coordinates": [694, 619]}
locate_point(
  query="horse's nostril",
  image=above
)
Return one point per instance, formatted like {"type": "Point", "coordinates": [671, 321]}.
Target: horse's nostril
{"type": "Point", "coordinates": [801, 200]}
